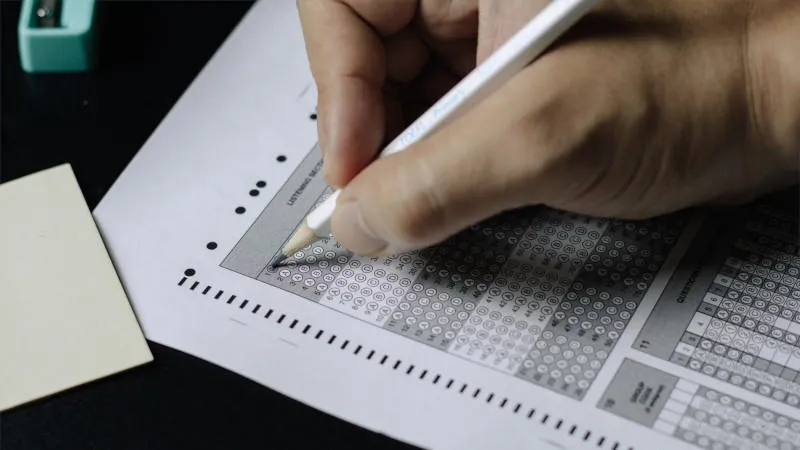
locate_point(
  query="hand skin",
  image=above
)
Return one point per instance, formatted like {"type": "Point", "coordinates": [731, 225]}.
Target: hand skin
{"type": "Point", "coordinates": [644, 108]}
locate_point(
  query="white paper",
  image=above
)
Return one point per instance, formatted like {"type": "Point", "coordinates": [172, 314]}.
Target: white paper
{"type": "Point", "coordinates": [396, 345]}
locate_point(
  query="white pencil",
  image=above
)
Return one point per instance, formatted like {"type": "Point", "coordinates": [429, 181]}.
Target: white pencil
{"type": "Point", "coordinates": [508, 60]}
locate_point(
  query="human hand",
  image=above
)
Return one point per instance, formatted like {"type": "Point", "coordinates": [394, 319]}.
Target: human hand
{"type": "Point", "coordinates": [646, 107]}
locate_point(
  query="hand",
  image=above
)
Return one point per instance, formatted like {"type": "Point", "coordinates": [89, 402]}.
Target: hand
{"type": "Point", "coordinates": [646, 107]}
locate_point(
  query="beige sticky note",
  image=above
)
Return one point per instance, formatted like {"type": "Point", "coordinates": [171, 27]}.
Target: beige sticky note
{"type": "Point", "coordinates": [64, 317]}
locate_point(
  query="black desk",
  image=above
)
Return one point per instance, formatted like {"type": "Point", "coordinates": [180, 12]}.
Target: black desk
{"type": "Point", "coordinates": [150, 52]}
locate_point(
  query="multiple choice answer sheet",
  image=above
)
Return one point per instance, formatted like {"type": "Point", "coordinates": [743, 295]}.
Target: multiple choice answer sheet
{"type": "Point", "coordinates": [535, 329]}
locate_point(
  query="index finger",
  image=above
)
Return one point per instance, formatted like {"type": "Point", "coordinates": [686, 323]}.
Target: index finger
{"type": "Point", "coordinates": [347, 60]}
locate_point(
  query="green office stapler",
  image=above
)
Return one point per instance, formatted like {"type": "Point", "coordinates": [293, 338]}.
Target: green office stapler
{"type": "Point", "coordinates": [57, 35]}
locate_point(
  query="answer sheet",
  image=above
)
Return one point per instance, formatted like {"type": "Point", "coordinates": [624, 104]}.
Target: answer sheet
{"type": "Point", "coordinates": [536, 329]}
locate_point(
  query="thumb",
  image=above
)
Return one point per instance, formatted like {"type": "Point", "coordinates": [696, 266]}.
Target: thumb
{"type": "Point", "coordinates": [470, 170]}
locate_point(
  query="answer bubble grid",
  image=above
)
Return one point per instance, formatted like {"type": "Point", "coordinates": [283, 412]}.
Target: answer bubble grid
{"type": "Point", "coordinates": [536, 293]}
{"type": "Point", "coordinates": [599, 304]}
{"type": "Point", "coordinates": [539, 294]}
{"type": "Point", "coordinates": [745, 330]}
{"type": "Point", "coordinates": [457, 274]}
{"type": "Point", "coordinates": [372, 289]}
{"type": "Point", "coordinates": [717, 420]}
{"type": "Point", "coordinates": [695, 413]}
{"type": "Point", "coordinates": [511, 316]}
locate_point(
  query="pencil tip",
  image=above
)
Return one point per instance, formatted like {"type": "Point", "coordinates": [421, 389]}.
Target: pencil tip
{"type": "Point", "coordinates": [303, 237]}
{"type": "Point", "coordinates": [277, 260]}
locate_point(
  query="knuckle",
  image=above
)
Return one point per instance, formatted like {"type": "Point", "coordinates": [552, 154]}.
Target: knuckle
{"type": "Point", "coordinates": [449, 19]}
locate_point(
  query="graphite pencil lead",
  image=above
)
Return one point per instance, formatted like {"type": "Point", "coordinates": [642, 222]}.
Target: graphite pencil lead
{"type": "Point", "coordinates": [277, 260]}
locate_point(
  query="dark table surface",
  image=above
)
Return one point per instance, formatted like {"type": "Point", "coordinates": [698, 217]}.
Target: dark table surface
{"type": "Point", "coordinates": [149, 53]}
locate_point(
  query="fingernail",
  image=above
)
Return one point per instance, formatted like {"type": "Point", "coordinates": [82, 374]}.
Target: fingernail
{"type": "Point", "coordinates": [353, 230]}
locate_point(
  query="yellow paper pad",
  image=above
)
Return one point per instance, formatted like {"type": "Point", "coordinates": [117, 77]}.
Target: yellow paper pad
{"type": "Point", "coordinates": [64, 317]}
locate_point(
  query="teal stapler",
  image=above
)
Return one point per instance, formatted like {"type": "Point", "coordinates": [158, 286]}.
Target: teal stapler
{"type": "Point", "coordinates": [57, 35]}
